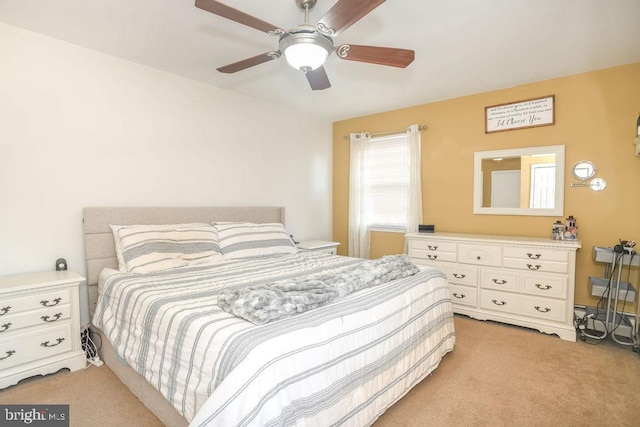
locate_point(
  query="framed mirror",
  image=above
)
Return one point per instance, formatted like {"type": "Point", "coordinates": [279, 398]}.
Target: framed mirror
{"type": "Point", "coordinates": [522, 181]}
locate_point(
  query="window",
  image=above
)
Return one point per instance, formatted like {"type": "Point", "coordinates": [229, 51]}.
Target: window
{"type": "Point", "coordinates": [385, 181]}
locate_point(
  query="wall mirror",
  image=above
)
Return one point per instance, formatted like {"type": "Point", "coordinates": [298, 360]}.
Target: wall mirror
{"type": "Point", "coordinates": [584, 170]}
{"type": "Point", "coordinates": [522, 181]}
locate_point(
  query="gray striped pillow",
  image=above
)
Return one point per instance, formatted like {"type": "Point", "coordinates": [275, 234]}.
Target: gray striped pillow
{"type": "Point", "coordinates": [247, 239]}
{"type": "Point", "coordinates": [147, 248]}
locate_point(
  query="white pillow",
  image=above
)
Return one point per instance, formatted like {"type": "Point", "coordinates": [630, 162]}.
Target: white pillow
{"type": "Point", "coordinates": [147, 248]}
{"type": "Point", "coordinates": [248, 239]}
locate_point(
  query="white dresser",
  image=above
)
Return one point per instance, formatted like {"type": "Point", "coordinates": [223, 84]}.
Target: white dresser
{"type": "Point", "coordinates": [523, 281]}
{"type": "Point", "coordinates": [39, 325]}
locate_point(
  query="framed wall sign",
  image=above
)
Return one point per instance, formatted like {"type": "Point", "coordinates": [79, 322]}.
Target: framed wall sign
{"type": "Point", "coordinates": [518, 115]}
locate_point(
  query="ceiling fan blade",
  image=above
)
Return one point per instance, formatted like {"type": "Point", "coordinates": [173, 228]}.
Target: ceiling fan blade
{"type": "Point", "coordinates": [228, 12]}
{"type": "Point", "coordinates": [318, 79]}
{"type": "Point", "coordinates": [345, 13]}
{"type": "Point", "coordinates": [249, 62]}
{"type": "Point", "coordinates": [390, 56]}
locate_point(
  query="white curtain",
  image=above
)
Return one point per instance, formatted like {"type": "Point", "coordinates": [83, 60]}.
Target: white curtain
{"type": "Point", "coordinates": [358, 222]}
{"type": "Point", "coordinates": [359, 217]}
{"type": "Point", "coordinates": [414, 208]}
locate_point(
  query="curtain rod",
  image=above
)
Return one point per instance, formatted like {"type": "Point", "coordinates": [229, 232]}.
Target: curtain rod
{"type": "Point", "coordinates": [393, 132]}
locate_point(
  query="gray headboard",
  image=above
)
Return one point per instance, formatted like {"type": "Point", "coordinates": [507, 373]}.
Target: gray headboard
{"type": "Point", "coordinates": [99, 248]}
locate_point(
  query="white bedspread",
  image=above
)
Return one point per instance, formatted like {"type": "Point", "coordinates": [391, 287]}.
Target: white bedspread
{"type": "Point", "coordinates": [343, 363]}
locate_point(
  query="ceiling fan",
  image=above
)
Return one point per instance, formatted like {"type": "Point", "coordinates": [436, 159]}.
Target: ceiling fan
{"type": "Point", "coordinates": [306, 47]}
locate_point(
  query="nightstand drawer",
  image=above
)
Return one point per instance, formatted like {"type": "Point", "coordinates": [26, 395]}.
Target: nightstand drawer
{"type": "Point", "coordinates": [14, 305]}
{"type": "Point", "coordinates": [26, 319]}
{"type": "Point", "coordinates": [35, 345]}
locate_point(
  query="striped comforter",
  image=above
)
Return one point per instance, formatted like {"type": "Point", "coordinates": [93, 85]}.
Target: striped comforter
{"type": "Point", "coordinates": [343, 363]}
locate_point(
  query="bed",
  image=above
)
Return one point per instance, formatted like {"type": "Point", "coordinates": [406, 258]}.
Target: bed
{"type": "Point", "coordinates": [191, 362]}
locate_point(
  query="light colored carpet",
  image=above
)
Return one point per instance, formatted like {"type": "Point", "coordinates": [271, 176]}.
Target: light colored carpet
{"type": "Point", "coordinates": [497, 375]}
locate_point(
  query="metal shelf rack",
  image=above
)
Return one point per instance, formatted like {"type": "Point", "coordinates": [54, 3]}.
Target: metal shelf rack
{"type": "Point", "coordinates": [618, 291]}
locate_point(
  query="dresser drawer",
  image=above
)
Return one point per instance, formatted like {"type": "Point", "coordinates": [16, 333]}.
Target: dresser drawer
{"type": "Point", "coordinates": [433, 250]}
{"type": "Point", "coordinates": [27, 347]}
{"type": "Point", "coordinates": [499, 301]}
{"type": "Point", "coordinates": [12, 305]}
{"type": "Point", "coordinates": [543, 308]}
{"type": "Point", "coordinates": [26, 319]}
{"type": "Point", "coordinates": [480, 255]}
{"type": "Point", "coordinates": [464, 295]}
{"type": "Point", "coordinates": [433, 255]}
{"type": "Point", "coordinates": [461, 274]}
{"type": "Point", "coordinates": [502, 280]}
{"type": "Point", "coordinates": [542, 254]}
{"type": "Point", "coordinates": [547, 286]}
{"type": "Point", "coordinates": [432, 245]}
{"type": "Point", "coordinates": [537, 265]}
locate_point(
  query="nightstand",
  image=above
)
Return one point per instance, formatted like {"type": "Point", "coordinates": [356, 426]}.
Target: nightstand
{"type": "Point", "coordinates": [39, 325]}
{"type": "Point", "coordinates": [319, 245]}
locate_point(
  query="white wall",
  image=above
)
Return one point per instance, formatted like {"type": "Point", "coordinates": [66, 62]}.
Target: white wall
{"type": "Point", "coordinates": [79, 128]}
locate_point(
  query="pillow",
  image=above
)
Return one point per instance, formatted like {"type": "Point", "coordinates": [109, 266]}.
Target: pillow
{"type": "Point", "coordinates": [147, 248]}
{"type": "Point", "coordinates": [247, 239]}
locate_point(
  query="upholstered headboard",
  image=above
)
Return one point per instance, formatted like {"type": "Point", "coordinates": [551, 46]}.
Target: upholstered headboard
{"type": "Point", "coordinates": [99, 247]}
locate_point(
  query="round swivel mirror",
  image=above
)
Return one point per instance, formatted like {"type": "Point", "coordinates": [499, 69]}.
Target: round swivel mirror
{"type": "Point", "coordinates": [584, 170]}
{"type": "Point", "coordinates": [598, 184]}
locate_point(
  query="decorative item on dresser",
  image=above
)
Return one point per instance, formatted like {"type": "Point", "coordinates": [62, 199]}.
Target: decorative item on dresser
{"type": "Point", "coordinates": [319, 245]}
{"type": "Point", "coordinates": [523, 281]}
{"type": "Point", "coordinates": [39, 325]}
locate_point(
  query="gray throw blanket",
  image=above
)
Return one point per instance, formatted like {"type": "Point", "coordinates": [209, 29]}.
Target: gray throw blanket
{"type": "Point", "coordinates": [263, 303]}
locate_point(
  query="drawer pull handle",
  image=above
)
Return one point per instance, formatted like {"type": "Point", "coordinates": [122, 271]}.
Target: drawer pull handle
{"type": "Point", "coordinates": [542, 310]}
{"type": "Point", "coordinates": [498, 303]}
{"type": "Point", "coordinates": [499, 281]}
{"type": "Point", "coordinates": [56, 316]}
{"type": "Point", "coordinates": [532, 256]}
{"type": "Point", "coordinates": [46, 343]}
{"type": "Point", "coordinates": [6, 326]}
{"type": "Point", "coordinates": [478, 258]}
{"type": "Point", "coordinates": [543, 287]}
{"type": "Point", "coordinates": [4, 310]}
{"type": "Point", "coordinates": [432, 256]}
{"type": "Point", "coordinates": [459, 276]}
{"type": "Point", "coordinates": [533, 267]}
{"type": "Point", "coordinates": [459, 296]}
{"type": "Point", "coordinates": [9, 354]}
{"type": "Point", "coordinates": [56, 301]}
{"type": "Point", "coordinates": [432, 248]}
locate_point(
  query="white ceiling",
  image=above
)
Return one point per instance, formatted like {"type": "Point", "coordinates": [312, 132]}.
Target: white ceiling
{"type": "Point", "coordinates": [462, 46]}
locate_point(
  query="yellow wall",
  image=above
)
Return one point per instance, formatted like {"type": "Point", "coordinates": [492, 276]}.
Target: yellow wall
{"type": "Point", "coordinates": [595, 118]}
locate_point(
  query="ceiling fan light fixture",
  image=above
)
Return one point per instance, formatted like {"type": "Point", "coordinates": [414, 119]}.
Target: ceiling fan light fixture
{"type": "Point", "coordinates": [306, 51]}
